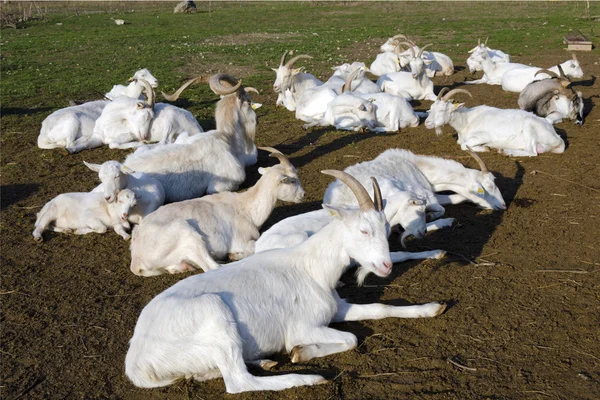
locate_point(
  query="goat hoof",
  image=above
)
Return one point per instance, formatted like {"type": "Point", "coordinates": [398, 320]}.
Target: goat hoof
{"type": "Point", "coordinates": [68, 231]}
{"type": "Point", "coordinates": [443, 307]}
{"type": "Point", "coordinates": [268, 365]}
{"type": "Point", "coordinates": [38, 239]}
{"type": "Point", "coordinates": [126, 237]}
{"type": "Point", "coordinates": [296, 354]}
{"type": "Point", "coordinates": [440, 255]}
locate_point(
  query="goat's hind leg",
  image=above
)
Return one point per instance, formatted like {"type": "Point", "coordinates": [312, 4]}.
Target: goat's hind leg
{"type": "Point", "coordinates": [320, 342]}
{"type": "Point", "coordinates": [227, 354]}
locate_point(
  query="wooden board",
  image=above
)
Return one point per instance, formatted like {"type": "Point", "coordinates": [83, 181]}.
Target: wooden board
{"type": "Point", "coordinates": [576, 40]}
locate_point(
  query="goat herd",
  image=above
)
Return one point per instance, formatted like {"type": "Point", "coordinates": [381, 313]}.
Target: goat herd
{"type": "Point", "coordinates": [280, 293]}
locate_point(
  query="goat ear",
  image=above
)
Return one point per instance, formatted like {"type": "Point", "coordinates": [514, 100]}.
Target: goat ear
{"type": "Point", "coordinates": [126, 170]}
{"type": "Point", "coordinates": [426, 61]}
{"type": "Point", "coordinates": [93, 167]}
{"type": "Point", "coordinates": [459, 105]}
{"type": "Point", "coordinates": [416, 202]}
{"type": "Point", "coordinates": [274, 69]}
{"type": "Point", "coordinates": [362, 107]}
{"type": "Point", "coordinates": [296, 71]}
{"type": "Point", "coordinates": [262, 170]}
{"type": "Point", "coordinates": [336, 212]}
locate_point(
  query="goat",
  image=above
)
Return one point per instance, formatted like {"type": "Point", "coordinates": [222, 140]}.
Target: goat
{"type": "Point", "coordinates": [469, 184]}
{"type": "Point", "coordinates": [360, 83]}
{"type": "Point", "coordinates": [293, 80]}
{"type": "Point", "coordinates": [438, 63]}
{"type": "Point", "coordinates": [512, 132]}
{"type": "Point", "coordinates": [549, 98]}
{"type": "Point", "coordinates": [474, 60]}
{"type": "Point", "coordinates": [385, 63]}
{"type": "Point", "coordinates": [115, 177]}
{"type": "Point", "coordinates": [69, 127]}
{"type": "Point", "coordinates": [392, 112]}
{"type": "Point", "coordinates": [414, 85]}
{"type": "Point", "coordinates": [516, 79]}
{"type": "Point", "coordinates": [348, 111]}
{"type": "Point", "coordinates": [213, 163]}
{"type": "Point", "coordinates": [135, 88]}
{"type": "Point", "coordinates": [493, 70]}
{"type": "Point", "coordinates": [83, 213]}
{"type": "Point", "coordinates": [395, 177]}
{"type": "Point", "coordinates": [208, 325]}
{"type": "Point", "coordinates": [190, 235]}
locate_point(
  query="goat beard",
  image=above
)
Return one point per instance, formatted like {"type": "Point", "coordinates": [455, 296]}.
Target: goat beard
{"type": "Point", "coordinates": [438, 131]}
{"type": "Point", "coordinates": [361, 275]}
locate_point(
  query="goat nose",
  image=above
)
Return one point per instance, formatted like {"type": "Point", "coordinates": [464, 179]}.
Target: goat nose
{"type": "Point", "coordinates": [124, 216]}
{"type": "Point", "coordinates": [504, 206]}
{"type": "Point", "coordinates": [387, 265]}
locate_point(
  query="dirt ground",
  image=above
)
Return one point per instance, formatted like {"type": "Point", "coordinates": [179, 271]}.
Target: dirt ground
{"type": "Point", "coordinates": [522, 285]}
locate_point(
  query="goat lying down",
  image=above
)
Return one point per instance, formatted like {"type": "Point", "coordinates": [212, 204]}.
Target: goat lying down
{"type": "Point", "coordinates": [192, 234]}
{"type": "Point", "coordinates": [209, 325]}
{"type": "Point", "coordinates": [213, 163]}
{"type": "Point", "coordinates": [553, 99]}
{"type": "Point", "coordinates": [83, 213]}
{"type": "Point", "coordinates": [135, 88]}
{"type": "Point", "coordinates": [512, 132]}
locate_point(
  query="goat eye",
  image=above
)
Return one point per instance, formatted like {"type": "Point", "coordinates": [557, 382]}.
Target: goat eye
{"type": "Point", "coordinates": [364, 232]}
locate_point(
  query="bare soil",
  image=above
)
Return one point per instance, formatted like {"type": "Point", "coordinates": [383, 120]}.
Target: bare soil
{"type": "Point", "coordinates": [522, 285]}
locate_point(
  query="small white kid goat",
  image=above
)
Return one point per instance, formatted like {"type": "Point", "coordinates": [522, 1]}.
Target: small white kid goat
{"type": "Point", "coordinates": [210, 325]}
{"type": "Point", "coordinates": [83, 213]}
{"type": "Point", "coordinates": [512, 132]}
{"type": "Point", "coordinates": [192, 234]}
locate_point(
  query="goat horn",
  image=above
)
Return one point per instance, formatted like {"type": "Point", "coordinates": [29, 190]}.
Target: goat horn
{"type": "Point", "coordinates": [449, 95]}
{"type": "Point", "coordinates": [291, 63]}
{"type": "Point", "coordinates": [220, 89]}
{"type": "Point", "coordinates": [377, 195]}
{"type": "Point", "coordinates": [444, 90]}
{"type": "Point", "coordinates": [562, 74]}
{"type": "Point", "coordinates": [149, 92]}
{"type": "Point", "coordinates": [177, 93]}
{"type": "Point", "coordinates": [486, 39]}
{"type": "Point", "coordinates": [423, 48]}
{"type": "Point", "coordinates": [574, 56]}
{"type": "Point", "coordinates": [410, 47]}
{"type": "Point", "coordinates": [251, 89]}
{"type": "Point", "coordinates": [478, 42]}
{"type": "Point", "coordinates": [348, 84]}
{"type": "Point", "coordinates": [279, 155]}
{"type": "Point", "coordinates": [482, 166]}
{"type": "Point", "coordinates": [545, 71]}
{"type": "Point", "coordinates": [361, 194]}
{"type": "Point", "coordinates": [283, 57]}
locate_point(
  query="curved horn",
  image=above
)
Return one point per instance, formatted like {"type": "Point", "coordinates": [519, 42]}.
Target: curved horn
{"type": "Point", "coordinates": [290, 63]}
{"type": "Point", "coordinates": [423, 48]}
{"type": "Point", "coordinates": [361, 194]}
{"type": "Point", "coordinates": [283, 57]}
{"type": "Point", "coordinates": [562, 73]}
{"type": "Point", "coordinates": [486, 39]}
{"type": "Point", "coordinates": [449, 95]}
{"type": "Point", "coordinates": [410, 47]}
{"type": "Point", "coordinates": [220, 89]}
{"type": "Point", "coordinates": [149, 92]}
{"type": "Point", "coordinates": [177, 93]}
{"type": "Point", "coordinates": [478, 42]}
{"type": "Point", "coordinates": [377, 195]}
{"type": "Point", "coordinates": [574, 56]}
{"type": "Point", "coordinates": [348, 84]}
{"type": "Point", "coordinates": [251, 89]}
{"type": "Point", "coordinates": [400, 36]}
{"type": "Point", "coordinates": [545, 71]}
{"type": "Point", "coordinates": [283, 160]}
{"type": "Point", "coordinates": [444, 90]}
{"type": "Point", "coordinates": [478, 159]}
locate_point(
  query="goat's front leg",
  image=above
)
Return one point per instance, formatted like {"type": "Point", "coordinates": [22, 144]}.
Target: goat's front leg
{"type": "Point", "coordinates": [84, 143]}
{"type": "Point", "coordinates": [440, 224]}
{"type": "Point", "coordinates": [400, 256]}
{"type": "Point", "coordinates": [445, 199]}
{"type": "Point", "coordinates": [247, 251]}
{"type": "Point", "coordinates": [359, 312]}
{"type": "Point", "coordinates": [120, 229]}
{"type": "Point", "coordinates": [320, 342]}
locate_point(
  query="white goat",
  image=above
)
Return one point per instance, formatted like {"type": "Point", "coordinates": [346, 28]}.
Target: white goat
{"type": "Point", "coordinates": [385, 63]}
{"type": "Point", "coordinates": [71, 126]}
{"type": "Point", "coordinates": [115, 177]}
{"type": "Point", "coordinates": [213, 163]}
{"type": "Point", "coordinates": [348, 111]}
{"type": "Point", "coordinates": [493, 70]}
{"type": "Point", "coordinates": [82, 213]}
{"type": "Point", "coordinates": [360, 83]}
{"type": "Point", "coordinates": [469, 184]}
{"type": "Point", "coordinates": [191, 235]}
{"type": "Point", "coordinates": [395, 177]}
{"type": "Point", "coordinates": [438, 63]}
{"type": "Point", "coordinates": [512, 132]}
{"type": "Point", "coordinates": [135, 87]}
{"type": "Point", "coordinates": [291, 82]}
{"type": "Point", "coordinates": [392, 112]}
{"type": "Point", "coordinates": [550, 98]}
{"type": "Point", "coordinates": [414, 85]}
{"type": "Point", "coordinates": [516, 79]}
{"type": "Point", "coordinates": [474, 60]}
{"type": "Point", "coordinates": [209, 325]}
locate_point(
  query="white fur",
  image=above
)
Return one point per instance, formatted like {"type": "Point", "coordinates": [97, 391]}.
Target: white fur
{"type": "Point", "coordinates": [493, 70]}
{"type": "Point", "coordinates": [413, 85]}
{"type": "Point", "coordinates": [82, 213]}
{"type": "Point", "coordinates": [517, 79]}
{"type": "Point", "coordinates": [385, 63]}
{"type": "Point", "coordinates": [392, 112]}
{"type": "Point", "coordinates": [474, 60]}
{"type": "Point", "coordinates": [69, 127]}
{"type": "Point", "coordinates": [192, 234]}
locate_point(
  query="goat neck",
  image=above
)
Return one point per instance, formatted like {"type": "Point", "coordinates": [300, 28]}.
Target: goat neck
{"type": "Point", "coordinates": [259, 201]}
